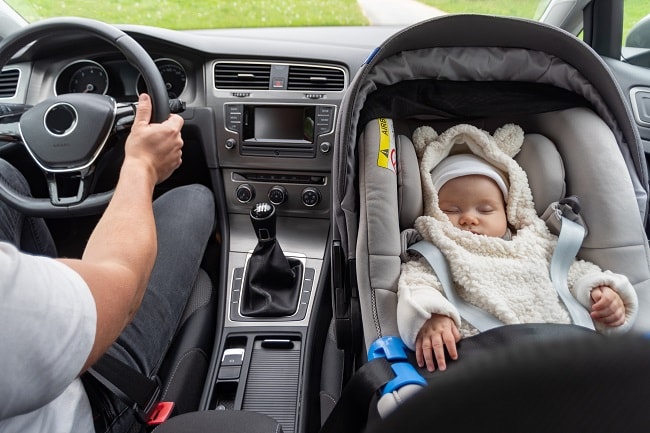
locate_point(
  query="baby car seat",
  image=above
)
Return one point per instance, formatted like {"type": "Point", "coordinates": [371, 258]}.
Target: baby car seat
{"type": "Point", "coordinates": [580, 140]}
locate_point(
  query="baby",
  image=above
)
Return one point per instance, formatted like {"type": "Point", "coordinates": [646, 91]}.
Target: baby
{"type": "Point", "coordinates": [495, 266]}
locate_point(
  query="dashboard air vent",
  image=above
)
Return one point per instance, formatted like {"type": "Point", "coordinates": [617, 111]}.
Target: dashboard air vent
{"type": "Point", "coordinates": [229, 75]}
{"type": "Point", "coordinates": [9, 82]}
{"type": "Point", "coordinates": [315, 78]}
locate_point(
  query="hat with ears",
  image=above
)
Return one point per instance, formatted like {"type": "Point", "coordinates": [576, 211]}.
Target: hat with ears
{"type": "Point", "coordinates": [460, 165]}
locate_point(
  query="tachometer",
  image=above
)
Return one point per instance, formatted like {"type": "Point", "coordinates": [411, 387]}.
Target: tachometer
{"type": "Point", "coordinates": [84, 76]}
{"type": "Point", "coordinates": [173, 75]}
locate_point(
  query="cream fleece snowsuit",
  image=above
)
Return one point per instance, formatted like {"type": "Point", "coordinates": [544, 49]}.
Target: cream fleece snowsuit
{"type": "Point", "coordinates": [508, 278]}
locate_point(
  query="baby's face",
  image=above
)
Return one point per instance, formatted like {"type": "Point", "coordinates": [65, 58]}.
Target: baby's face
{"type": "Point", "coordinates": [474, 203]}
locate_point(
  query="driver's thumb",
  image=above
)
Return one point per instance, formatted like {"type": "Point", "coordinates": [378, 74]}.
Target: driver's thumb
{"type": "Point", "coordinates": [143, 113]}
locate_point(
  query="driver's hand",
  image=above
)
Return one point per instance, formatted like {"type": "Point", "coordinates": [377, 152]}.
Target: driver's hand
{"type": "Point", "coordinates": [437, 334]}
{"type": "Point", "coordinates": [155, 145]}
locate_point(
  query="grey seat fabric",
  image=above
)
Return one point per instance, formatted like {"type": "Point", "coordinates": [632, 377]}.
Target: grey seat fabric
{"type": "Point", "coordinates": [184, 369]}
{"type": "Point", "coordinates": [559, 158]}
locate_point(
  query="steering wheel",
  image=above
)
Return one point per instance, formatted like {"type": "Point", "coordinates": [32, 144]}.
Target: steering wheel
{"type": "Point", "coordinates": [66, 134]}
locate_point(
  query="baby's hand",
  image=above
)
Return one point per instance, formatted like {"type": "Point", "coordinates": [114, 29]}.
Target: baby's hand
{"type": "Point", "coordinates": [607, 307]}
{"type": "Point", "coordinates": [437, 333]}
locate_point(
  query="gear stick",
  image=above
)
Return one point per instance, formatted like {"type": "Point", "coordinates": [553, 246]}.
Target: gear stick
{"type": "Point", "coordinates": [272, 281]}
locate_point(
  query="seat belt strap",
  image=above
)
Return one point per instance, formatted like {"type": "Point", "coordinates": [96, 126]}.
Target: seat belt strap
{"type": "Point", "coordinates": [568, 245]}
{"type": "Point", "coordinates": [350, 413]}
{"type": "Point", "coordinates": [128, 384]}
{"type": "Point", "coordinates": [479, 318]}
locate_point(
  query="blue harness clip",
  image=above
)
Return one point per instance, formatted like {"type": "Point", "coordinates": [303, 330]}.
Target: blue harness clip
{"type": "Point", "coordinates": [394, 350]}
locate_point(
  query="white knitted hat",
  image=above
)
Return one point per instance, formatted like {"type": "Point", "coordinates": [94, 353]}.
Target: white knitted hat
{"type": "Point", "coordinates": [464, 165]}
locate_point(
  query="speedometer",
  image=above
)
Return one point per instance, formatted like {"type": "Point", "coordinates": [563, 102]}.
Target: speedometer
{"type": "Point", "coordinates": [84, 76]}
{"type": "Point", "coordinates": [173, 74]}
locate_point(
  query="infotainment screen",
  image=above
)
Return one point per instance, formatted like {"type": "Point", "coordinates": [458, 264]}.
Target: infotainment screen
{"type": "Point", "coordinates": [279, 123]}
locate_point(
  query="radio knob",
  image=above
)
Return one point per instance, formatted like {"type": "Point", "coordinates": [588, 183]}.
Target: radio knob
{"type": "Point", "coordinates": [245, 193]}
{"type": "Point", "coordinates": [231, 143]}
{"type": "Point", "coordinates": [325, 147]}
{"type": "Point", "coordinates": [310, 196]}
{"type": "Point", "coordinates": [278, 194]}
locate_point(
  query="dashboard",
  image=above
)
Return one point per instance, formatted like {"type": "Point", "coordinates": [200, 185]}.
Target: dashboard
{"type": "Point", "coordinates": [261, 104]}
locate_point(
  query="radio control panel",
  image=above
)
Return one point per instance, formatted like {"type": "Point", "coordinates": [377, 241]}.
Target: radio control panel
{"type": "Point", "coordinates": [278, 130]}
{"type": "Point", "coordinates": [292, 193]}
{"type": "Point", "coordinates": [277, 152]}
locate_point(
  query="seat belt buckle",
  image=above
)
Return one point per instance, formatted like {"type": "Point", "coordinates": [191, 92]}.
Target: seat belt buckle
{"type": "Point", "coordinates": [154, 412]}
{"type": "Point", "coordinates": [159, 413]}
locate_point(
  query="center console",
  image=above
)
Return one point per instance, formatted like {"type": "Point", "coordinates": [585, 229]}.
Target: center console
{"type": "Point", "coordinates": [274, 145]}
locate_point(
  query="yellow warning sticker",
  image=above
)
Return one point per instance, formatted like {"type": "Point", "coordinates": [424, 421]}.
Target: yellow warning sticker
{"type": "Point", "coordinates": [386, 158]}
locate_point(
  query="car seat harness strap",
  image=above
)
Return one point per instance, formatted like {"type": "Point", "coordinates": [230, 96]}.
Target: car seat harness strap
{"type": "Point", "coordinates": [570, 237]}
{"type": "Point", "coordinates": [479, 318]}
{"type": "Point", "coordinates": [568, 244]}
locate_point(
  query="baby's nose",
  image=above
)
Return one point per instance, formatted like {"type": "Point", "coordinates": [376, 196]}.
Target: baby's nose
{"type": "Point", "coordinates": [468, 217]}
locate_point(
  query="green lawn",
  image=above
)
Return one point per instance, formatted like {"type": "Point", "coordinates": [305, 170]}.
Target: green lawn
{"type": "Point", "coordinates": [516, 8]}
{"type": "Point", "coordinates": [199, 14]}
{"type": "Point", "coordinates": [634, 9]}
{"type": "Point", "coordinates": [203, 14]}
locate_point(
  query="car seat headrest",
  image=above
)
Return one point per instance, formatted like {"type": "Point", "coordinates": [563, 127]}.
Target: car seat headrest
{"type": "Point", "coordinates": [538, 157]}
{"type": "Point", "coordinates": [543, 165]}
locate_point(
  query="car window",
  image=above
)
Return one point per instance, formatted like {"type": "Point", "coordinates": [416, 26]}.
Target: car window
{"type": "Point", "coordinates": [205, 14]}
{"type": "Point", "coordinates": [636, 33]}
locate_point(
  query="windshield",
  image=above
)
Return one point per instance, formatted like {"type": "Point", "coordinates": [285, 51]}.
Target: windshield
{"type": "Point", "coordinates": [207, 14]}
{"type": "Point", "coordinates": [210, 14]}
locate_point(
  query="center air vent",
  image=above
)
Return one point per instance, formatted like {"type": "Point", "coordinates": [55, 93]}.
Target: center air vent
{"type": "Point", "coordinates": [229, 75]}
{"type": "Point", "coordinates": [315, 78]}
{"type": "Point", "coordinates": [8, 82]}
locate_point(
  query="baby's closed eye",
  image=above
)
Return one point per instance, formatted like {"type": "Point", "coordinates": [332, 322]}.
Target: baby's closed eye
{"type": "Point", "coordinates": [486, 208]}
{"type": "Point", "coordinates": [450, 209]}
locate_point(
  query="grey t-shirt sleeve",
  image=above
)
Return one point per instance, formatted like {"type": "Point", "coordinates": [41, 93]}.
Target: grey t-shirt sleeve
{"type": "Point", "coordinates": [47, 329]}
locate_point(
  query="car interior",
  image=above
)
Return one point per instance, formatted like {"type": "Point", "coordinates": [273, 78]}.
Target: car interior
{"type": "Point", "coordinates": [285, 127]}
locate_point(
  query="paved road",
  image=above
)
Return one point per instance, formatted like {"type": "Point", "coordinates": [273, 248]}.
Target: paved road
{"type": "Point", "coordinates": [397, 12]}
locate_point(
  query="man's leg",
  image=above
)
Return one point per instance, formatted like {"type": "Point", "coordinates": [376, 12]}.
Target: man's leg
{"type": "Point", "coordinates": [28, 234]}
{"type": "Point", "coordinates": [184, 221]}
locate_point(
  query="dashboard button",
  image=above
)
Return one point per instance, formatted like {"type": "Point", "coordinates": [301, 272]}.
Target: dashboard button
{"type": "Point", "coordinates": [245, 193]}
{"type": "Point", "coordinates": [310, 196]}
{"type": "Point", "coordinates": [278, 194]}
{"type": "Point", "coordinates": [231, 143]}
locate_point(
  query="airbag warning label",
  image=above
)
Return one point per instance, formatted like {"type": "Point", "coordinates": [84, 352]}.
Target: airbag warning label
{"type": "Point", "coordinates": [386, 157]}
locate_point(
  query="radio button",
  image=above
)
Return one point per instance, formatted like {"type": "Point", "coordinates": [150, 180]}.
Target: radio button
{"type": "Point", "coordinates": [230, 143]}
{"type": "Point", "coordinates": [310, 196]}
{"type": "Point", "coordinates": [324, 116]}
{"type": "Point", "coordinates": [234, 114]}
{"type": "Point", "coordinates": [245, 193]}
{"type": "Point", "coordinates": [325, 147]}
{"type": "Point", "coordinates": [278, 195]}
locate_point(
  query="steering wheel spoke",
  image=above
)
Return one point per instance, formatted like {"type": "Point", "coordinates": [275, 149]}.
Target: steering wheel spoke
{"type": "Point", "coordinates": [9, 120]}
{"type": "Point", "coordinates": [83, 180]}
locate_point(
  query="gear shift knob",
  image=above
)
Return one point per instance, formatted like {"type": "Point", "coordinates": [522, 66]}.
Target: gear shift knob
{"type": "Point", "coordinates": [263, 218]}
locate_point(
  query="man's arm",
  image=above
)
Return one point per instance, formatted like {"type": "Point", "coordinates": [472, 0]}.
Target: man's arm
{"type": "Point", "coordinates": [120, 254]}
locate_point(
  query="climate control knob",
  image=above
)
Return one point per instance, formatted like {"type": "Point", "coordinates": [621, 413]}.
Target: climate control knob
{"type": "Point", "coordinates": [245, 193]}
{"type": "Point", "coordinates": [310, 196]}
{"type": "Point", "coordinates": [278, 194]}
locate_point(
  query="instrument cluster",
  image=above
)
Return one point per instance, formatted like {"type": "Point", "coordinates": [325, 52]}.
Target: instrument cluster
{"type": "Point", "coordinates": [117, 78]}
